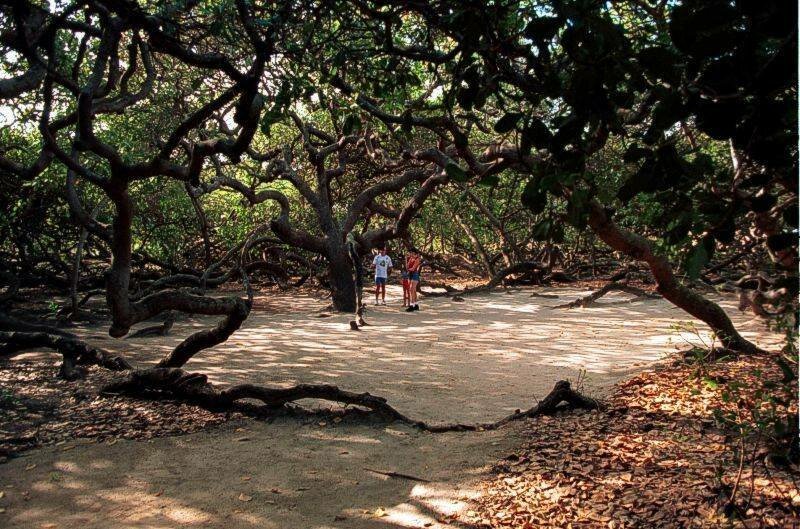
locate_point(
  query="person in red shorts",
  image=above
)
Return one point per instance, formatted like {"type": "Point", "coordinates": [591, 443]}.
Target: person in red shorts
{"type": "Point", "coordinates": [413, 264]}
{"type": "Point", "coordinates": [406, 287]}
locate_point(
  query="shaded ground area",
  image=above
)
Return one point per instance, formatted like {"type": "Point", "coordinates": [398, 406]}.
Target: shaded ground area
{"type": "Point", "coordinates": [652, 458]}
{"type": "Point", "coordinates": [470, 361]}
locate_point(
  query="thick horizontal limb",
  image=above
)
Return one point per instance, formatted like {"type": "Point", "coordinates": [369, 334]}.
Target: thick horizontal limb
{"type": "Point", "coordinates": [194, 387]}
{"type": "Point", "coordinates": [75, 352]}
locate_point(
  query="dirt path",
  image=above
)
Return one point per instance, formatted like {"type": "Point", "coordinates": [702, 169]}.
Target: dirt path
{"type": "Point", "coordinates": [470, 361]}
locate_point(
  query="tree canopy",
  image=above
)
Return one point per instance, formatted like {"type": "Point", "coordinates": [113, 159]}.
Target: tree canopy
{"type": "Point", "coordinates": [182, 136]}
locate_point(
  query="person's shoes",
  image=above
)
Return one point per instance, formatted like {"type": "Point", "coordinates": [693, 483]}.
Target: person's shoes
{"type": "Point", "coordinates": [416, 307]}
{"type": "Point", "coordinates": [383, 302]}
{"type": "Point", "coordinates": [376, 302]}
{"type": "Point", "coordinates": [410, 308]}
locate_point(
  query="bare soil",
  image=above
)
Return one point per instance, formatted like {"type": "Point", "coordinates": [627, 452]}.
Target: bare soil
{"type": "Point", "coordinates": [475, 360]}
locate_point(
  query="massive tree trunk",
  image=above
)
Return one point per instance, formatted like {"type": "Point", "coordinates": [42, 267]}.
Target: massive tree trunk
{"type": "Point", "coordinates": [637, 247]}
{"type": "Point", "coordinates": [340, 274]}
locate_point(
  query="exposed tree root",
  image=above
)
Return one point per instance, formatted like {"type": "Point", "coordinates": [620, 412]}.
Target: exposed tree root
{"type": "Point", "coordinates": [393, 474]}
{"type": "Point", "coordinates": [194, 387]}
{"type": "Point", "coordinates": [591, 299]}
{"type": "Point", "coordinates": [526, 267]}
{"type": "Point", "coordinates": [9, 323]}
{"type": "Point", "coordinates": [156, 330]}
{"type": "Point", "coordinates": [75, 352]}
{"type": "Point", "coordinates": [559, 277]}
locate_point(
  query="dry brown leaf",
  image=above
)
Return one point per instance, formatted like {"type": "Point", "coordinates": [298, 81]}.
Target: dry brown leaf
{"type": "Point", "coordinates": [245, 497]}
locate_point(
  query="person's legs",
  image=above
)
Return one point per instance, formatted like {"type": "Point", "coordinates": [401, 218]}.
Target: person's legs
{"type": "Point", "coordinates": [380, 288]}
{"type": "Point", "coordinates": [414, 283]}
{"type": "Point", "coordinates": [383, 293]}
{"type": "Point", "coordinates": [412, 295]}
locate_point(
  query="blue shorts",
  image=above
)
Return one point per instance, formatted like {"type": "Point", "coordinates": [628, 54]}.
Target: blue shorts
{"type": "Point", "coordinates": [414, 276]}
{"type": "Point", "coordinates": [380, 280]}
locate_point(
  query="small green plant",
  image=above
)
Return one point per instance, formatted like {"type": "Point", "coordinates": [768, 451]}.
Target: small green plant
{"type": "Point", "coordinates": [753, 409]}
{"type": "Point", "coordinates": [8, 399]}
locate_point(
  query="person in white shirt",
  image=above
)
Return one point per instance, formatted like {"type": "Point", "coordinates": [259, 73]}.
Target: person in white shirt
{"type": "Point", "coordinates": [382, 263]}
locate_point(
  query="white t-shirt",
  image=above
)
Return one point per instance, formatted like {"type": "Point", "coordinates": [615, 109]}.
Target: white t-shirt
{"type": "Point", "coordinates": [382, 264]}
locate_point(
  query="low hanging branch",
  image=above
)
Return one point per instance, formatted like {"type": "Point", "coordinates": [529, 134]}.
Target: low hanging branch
{"type": "Point", "coordinates": [74, 351]}
{"type": "Point", "coordinates": [591, 299]}
{"type": "Point", "coordinates": [667, 284]}
{"type": "Point", "coordinates": [194, 387]}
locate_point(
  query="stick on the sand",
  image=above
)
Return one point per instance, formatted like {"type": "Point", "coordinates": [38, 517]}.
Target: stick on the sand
{"type": "Point", "coordinates": [397, 475]}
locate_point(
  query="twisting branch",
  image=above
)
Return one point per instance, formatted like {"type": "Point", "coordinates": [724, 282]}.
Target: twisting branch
{"type": "Point", "coordinates": [194, 387]}
{"type": "Point", "coordinates": [591, 299]}
{"type": "Point", "coordinates": [74, 351]}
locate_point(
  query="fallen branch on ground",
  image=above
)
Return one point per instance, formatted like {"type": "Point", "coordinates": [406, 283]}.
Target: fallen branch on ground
{"type": "Point", "coordinates": [194, 387]}
{"type": "Point", "coordinates": [591, 299]}
{"type": "Point", "coordinates": [392, 474]}
{"type": "Point", "coordinates": [161, 329]}
{"type": "Point", "coordinates": [9, 323]}
{"type": "Point", "coordinates": [75, 352]}
{"type": "Point", "coordinates": [527, 267]}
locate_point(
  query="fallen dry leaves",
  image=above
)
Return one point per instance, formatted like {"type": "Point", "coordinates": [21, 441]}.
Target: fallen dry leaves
{"type": "Point", "coordinates": [37, 408]}
{"type": "Point", "coordinates": [653, 457]}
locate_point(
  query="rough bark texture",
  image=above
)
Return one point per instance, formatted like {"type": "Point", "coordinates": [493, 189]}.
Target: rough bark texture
{"type": "Point", "coordinates": [637, 247]}
{"type": "Point", "coordinates": [358, 272]}
{"type": "Point", "coordinates": [340, 275]}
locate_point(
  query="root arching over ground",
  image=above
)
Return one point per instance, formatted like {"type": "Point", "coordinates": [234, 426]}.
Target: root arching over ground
{"type": "Point", "coordinates": [424, 364]}
{"type": "Point", "coordinates": [178, 384]}
{"type": "Point", "coordinates": [194, 387]}
{"type": "Point", "coordinates": [591, 299]}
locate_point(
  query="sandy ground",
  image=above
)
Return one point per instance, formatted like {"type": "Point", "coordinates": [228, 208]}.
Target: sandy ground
{"type": "Point", "coordinates": [470, 361]}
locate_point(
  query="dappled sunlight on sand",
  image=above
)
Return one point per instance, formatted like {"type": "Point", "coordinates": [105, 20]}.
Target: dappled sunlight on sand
{"type": "Point", "coordinates": [505, 345]}
{"type": "Point", "coordinates": [453, 361]}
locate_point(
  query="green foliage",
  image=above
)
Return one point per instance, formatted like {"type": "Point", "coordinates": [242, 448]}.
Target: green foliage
{"type": "Point", "coordinates": [456, 173]}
